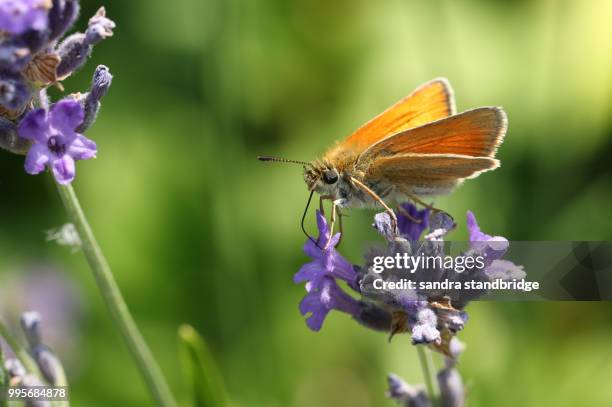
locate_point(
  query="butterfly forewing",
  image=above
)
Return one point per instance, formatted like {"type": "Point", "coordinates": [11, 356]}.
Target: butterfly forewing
{"type": "Point", "coordinates": [431, 101]}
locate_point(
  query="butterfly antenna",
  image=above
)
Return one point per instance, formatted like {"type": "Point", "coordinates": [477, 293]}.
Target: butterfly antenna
{"type": "Point", "coordinates": [304, 218]}
{"type": "Point", "coordinates": [280, 160]}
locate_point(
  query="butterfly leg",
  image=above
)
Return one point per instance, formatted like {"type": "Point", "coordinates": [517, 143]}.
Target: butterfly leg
{"type": "Point", "coordinates": [335, 213]}
{"type": "Point", "coordinates": [321, 206]}
{"type": "Point", "coordinates": [378, 199]}
{"type": "Point", "coordinates": [419, 201]}
{"type": "Point", "coordinates": [409, 216]}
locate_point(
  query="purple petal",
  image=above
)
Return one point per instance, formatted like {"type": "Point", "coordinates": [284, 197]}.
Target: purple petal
{"type": "Point", "coordinates": [475, 234]}
{"type": "Point", "coordinates": [34, 126]}
{"type": "Point", "coordinates": [327, 296]}
{"type": "Point", "coordinates": [63, 169]}
{"type": "Point", "coordinates": [65, 116]}
{"type": "Point", "coordinates": [82, 148]}
{"type": "Point", "coordinates": [37, 158]}
{"type": "Point", "coordinates": [324, 232]}
{"type": "Point", "coordinates": [311, 304]}
{"type": "Point", "coordinates": [312, 250]}
{"type": "Point", "coordinates": [407, 227]}
{"type": "Point", "coordinates": [309, 271]}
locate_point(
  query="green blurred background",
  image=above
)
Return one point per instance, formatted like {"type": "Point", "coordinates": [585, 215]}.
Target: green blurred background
{"type": "Point", "coordinates": [198, 231]}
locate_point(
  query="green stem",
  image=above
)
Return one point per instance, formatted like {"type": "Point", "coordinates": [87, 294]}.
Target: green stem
{"type": "Point", "coordinates": [141, 353]}
{"type": "Point", "coordinates": [426, 367]}
{"type": "Point", "coordinates": [20, 352]}
{"type": "Point", "coordinates": [4, 379]}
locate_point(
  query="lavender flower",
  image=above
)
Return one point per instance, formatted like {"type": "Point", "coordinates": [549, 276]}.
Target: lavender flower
{"type": "Point", "coordinates": [320, 276]}
{"type": "Point", "coordinates": [327, 262]}
{"type": "Point", "coordinates": [324, 297]}
{"type": "Point", "coordinates": [56, 144]}
{"type": "Point", "coordinates": [19, 16]}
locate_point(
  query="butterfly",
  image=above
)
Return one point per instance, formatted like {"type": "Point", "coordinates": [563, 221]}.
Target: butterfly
{"type": "Point", "coordinates": [416, 148]}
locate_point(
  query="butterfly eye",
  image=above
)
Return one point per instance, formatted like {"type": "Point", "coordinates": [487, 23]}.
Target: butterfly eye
{"type": "Point", "coordinates": [330, 177]}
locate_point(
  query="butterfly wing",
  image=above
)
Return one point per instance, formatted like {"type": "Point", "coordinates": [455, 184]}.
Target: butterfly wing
{"type": "Point", "coordinates": [434, 158]}
{"type": "Point", "coordinates": [429, 174]}
{"type": "Point", "coordinates": [475, 133]}
{"type": "Point", "coordinates": [431, 101]}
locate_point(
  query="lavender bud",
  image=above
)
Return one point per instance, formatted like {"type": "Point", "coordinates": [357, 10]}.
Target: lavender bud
{"type": "Point", "coordinates": [14, 92]}
{"type": "Point", "coordinates": [102, 79]}
{"type": "Point", "coordinates": [382, 223]}
{"type": "Point", "coordinates": [99, 27]}
{"type": "Point", "coordinates": [76, 48]}
{"type": "Point", "coordinates": [14, 368]}
{"type": "Point", "coordinates": [74, 52]}
{"type": "Point", "coordinates": [406, 395]}
{"type": "Point", "coordinates": [425, 331]}
{"type": "Point", "coordinates": [10, 140]}
{"type": "Point", "coordinates": [452, 392]}
{"type": "Point", "coordinates": [61, 17]}
{"type": "Point", "coordinates": [30, 323]}
{"type": "Point", "coordinates": [49, 365]}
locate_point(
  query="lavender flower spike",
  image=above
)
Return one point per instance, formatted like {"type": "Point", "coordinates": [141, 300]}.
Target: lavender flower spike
{"type": "Point", "coordinates": [19, 16]}
{"type": "Point", "coordinates": [56, 144]}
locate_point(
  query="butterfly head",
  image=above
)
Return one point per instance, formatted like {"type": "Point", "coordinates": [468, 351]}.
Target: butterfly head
{"type": "Point", "coordinates": [322, 177]}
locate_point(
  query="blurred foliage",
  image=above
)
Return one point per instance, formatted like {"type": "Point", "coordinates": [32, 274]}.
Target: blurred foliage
{"type": "Point", "coordinates": [201, 370]}
{"type": "Point", "coordinates": [198, 231]}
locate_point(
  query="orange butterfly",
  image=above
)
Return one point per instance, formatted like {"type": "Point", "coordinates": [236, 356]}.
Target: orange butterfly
{"type": "Point", "coordinates": [417, 147]}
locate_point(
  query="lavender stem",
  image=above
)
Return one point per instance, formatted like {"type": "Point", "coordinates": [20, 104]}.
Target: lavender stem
{"type": "Point", "coordinates": [20, 352]}
{"type": "Point", "coordinates": [426, 362]}
{"type": "Point", "coordinates": [149, 369]}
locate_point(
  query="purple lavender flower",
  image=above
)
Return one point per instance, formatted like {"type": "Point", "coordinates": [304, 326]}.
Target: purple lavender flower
{"type": "Point", "coordinates": [56, 144]}
{"type": "Point", "coordinates": [327, 262]}
{"type": "Point", "coordinates": [320, 274]}
{"type": "Point", "coordinates": [324, 297]}
{"type": "Point", "coordinates": [19, 16]}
